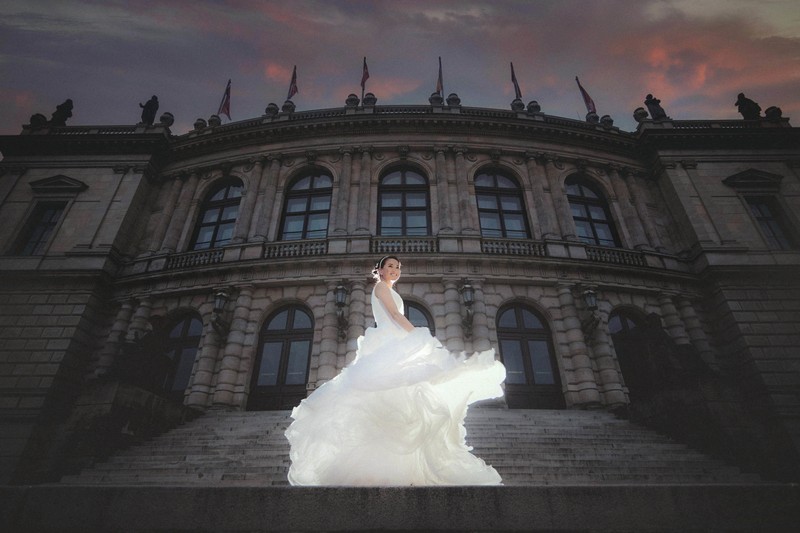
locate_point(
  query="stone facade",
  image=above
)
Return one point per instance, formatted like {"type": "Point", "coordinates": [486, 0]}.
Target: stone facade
{"type": "Point", "coordinates": [122, 264]}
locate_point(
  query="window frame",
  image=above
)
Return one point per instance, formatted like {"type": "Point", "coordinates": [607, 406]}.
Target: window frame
{"type": "Point", "coordinates": [779, 217]}
{"type": "Point", "coordinates": [404, 189]}
{"type": "Point", "coordinates": [309, 193]}
{"type": "Point", "coordinates": [586, 203]}
{"type": "Point", "coordinates": [182, 342]}
{"type": "Point", "coordinates": [208, 204]}
{"type": "Point", "coordinates": [498, 193]}
{"type": "Point", "coordinates": [26, 229]}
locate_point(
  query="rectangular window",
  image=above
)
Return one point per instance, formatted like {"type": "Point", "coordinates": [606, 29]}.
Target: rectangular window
{"type": "Point", "coordinates": [39, 229]}
{"type": "Point", "coordinates": [767, 215]}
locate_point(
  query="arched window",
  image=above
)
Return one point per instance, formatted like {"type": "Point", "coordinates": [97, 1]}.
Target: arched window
{"type": "Point", "coordinates": [284, 349]}
{"type": "Point", "coordinates": [180, 347]}
{"type": "Point", "coordinates": [590, 212]}
{"type": "Point", "coordinates": [623, 321]}
{"type": "Point", "coordinates": [403, 206]}
{"type": "Point", "coordinates": [307, 207]}
{"type": "Point", "coordinates": [218, 215]}
{"type": "Point", "coordinates": [526, 349]}
{"type": "Point", "coordinates": [418, 316]}
{"type": "Point", "coordinates": [500, 206]}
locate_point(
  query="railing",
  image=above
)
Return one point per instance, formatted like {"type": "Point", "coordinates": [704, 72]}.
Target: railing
{"type": "Point", "coordinates": [295, 249]}
{"type": "Point", "coordinates": [513, 247]}
{"type": "Point", "coordinates": [399, 245]}
{"type": "Point", "coordinates": [192, 259]}
{"type": "Point", "coordinates": [615, 255]}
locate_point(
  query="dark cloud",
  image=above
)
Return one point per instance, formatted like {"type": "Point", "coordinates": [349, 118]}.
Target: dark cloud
{"type": "Point", "coordinates": [109, 56]}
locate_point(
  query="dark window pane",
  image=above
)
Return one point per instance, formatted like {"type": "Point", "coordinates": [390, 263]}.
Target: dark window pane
{"type": "Point", "coordinates": [318, 222]}
{"type": "Point", "coordinates": [510, 203]}
{"type": "Point", "coordinates": [490, 223]}
{"type": "Point", "coordinates": [211, 216]}
{"type": "Point", "coordinates": [391, 219]}
{"type": "Point", "coordinates": [412, 178]}
{"type": "Point", "coordinates": [486, 202]}
{"type": "Point", "coordinates": [320, 203]}
{"type": "Point", "coordinates": [235, 191]}
{"type": "Point", "coordinates": [302, 184]}
{"type": "Point", "coordinates": [195, 328]}
{"type": "Point", "coordinates": [392, 178]}
{"type": "Point", "coordinates": [278, 321]}
{"type": "Point", "coordinates": [298, 362]}
{"type": "Point", "coordinates": [323, 182]}
{"type": "Point", "coordinates": [587, 192]}
{"type": "Point", "coordinates": [296, 205]}
{"type": "Point", "coordinates": [514, 224]}
{"type": "Point", "coordinates": [540, 362]}
{"type": "Point", "coordinates": [270, 362]}
{"type": "Point", "coordinates": [578, 210]}
{"type": "Point", "coordinates": [416, 220]}
{"type": "Point", "coordinates": [183, 371]}
{"type": "Point", "coordinates": [416, 199]}
{"type": "Point", "coordinates": [505, 183]}
{"type": "Point", "coordinates": [225, 234]}
{"type": "Point", "coordinates": [511, 353]}
{"type": "Point", "coordinates": [508, 319]}
{"type": "Point", "coordinates": [573, 189]}
{"type": "Point", "coordinates": [597, 213]}
{"type": "Point", "coordinates": [391, 199]}
{"type": "Point", "coordinates": [301, 320]}
{"type": "Point", "coordinates": [530, 321]}
{"type": "Point", "coordinates": [230, 213]}
{"type": "Point", "coordinates": [482, 180]}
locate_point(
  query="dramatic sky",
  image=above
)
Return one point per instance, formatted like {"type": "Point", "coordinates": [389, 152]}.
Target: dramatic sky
{"type": "Point", "coordinates": [110, 55]}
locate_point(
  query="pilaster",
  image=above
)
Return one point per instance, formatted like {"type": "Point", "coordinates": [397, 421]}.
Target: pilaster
{"type": "Point", "coordinates": [581, 380]}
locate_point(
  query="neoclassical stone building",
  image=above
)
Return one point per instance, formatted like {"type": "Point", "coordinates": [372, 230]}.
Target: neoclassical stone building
{"type": "Point", "coordinates": [652, 273]}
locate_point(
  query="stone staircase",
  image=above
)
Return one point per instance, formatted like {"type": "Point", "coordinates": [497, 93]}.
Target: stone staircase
{"type": "Point", "coordinates": [527, 447]}
{"type": "Point", "coordinates": [564, 471]}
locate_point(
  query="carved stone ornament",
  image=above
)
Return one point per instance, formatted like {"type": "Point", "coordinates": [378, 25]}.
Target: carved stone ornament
{"type": "Point", "coordinates": [58, 184]}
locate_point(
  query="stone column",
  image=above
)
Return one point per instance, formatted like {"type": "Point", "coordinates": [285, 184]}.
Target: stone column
{"type": "Point", "coordinates": [582, 381]}
{"type": "Point", "coordinates": [247, 360]}
{"type": "Point", "coordinates": [453, 193]}
{"type": "Point", "coordinates": [202, 386]}
{"type": "Point", "coordinates": [166, 216]}
{"type": "Point", "coordinates": [140, 324]}
{"type": "Point", "coordinates": [178, 220]}
{"type": "Point", "coordinates": [480, 322]}
{"type": "Point", "coordinates": [330, 338]}
{"type": "Point", "coordinates": [229, 369]}
{"type": "Point", "coordinates": [695, 330]}
{"type": "Point", "coordinates": [639, 201]}
{"type": "Point", "coordinates": [248, 202]}
{"type": "Point", "coordinates": [266, 199]}
{"type": "Point", "coordinates": [453, 317]}
{"type": "Point", "coordinates": [560, 203]}
{"type": "Point", "coordinates": [467, 206]}
{"type": "Point", "coordinates": [672, 319]}
{"type": "Point", "coordinates": [114, 341]}
{"type": "Point", "coordinates": [357, 316]}
{"type": "Point", "coordinates": [633, 224]}
{"type": "Point", "coordinates": [445, 224]}
{"type": "Point", "coordinates": [610, 382]}
{"type": "Point", "coordinates": [364, 200]}
{"type": "Point", "coordinates": [340, 224]}
{"type": "Point", "coordinates": [542, 200]}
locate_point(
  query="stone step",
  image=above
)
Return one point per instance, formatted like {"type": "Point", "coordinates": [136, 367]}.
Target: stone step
{"type": "Point", "coordinates": [526, 447]}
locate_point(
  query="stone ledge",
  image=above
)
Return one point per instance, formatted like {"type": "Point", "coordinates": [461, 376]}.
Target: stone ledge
{"type": "Point", "coordinates": [629, 508]}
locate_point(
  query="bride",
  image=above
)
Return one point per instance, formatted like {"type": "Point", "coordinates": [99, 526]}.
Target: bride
{"type": "Point", "coordinates": [395, 415]}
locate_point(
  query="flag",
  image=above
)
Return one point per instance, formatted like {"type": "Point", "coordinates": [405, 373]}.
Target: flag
{"type": "Point", "coordinates": [225, 104]}
{"type": "Point", "coordinates": [517, 92]}
{"type": "Point", "coordinates": [364, 74]}
{"type": "Point", "coordinates": [293, 85]}
{"type": "Point", "coordinates": [586, 98]}
{"type": "Point", "coordinates": [439, 82]}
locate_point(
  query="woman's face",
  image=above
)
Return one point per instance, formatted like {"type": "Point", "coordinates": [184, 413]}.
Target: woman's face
{"type": "Point", "coordinates": [390, 271]}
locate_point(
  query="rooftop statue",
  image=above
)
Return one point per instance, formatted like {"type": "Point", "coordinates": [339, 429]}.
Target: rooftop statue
{"type": "Point", "coordinates": [61, 114]}
{"type": "Point", "coordinates": [654, 107]}
{"type": "Point", "coordinates": [149, 110]}
{"type": "Point", "coordinates": [748, 108]}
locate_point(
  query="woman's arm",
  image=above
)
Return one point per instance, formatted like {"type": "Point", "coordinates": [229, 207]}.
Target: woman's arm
{"type": "Point", "coordinates": [385, 297]}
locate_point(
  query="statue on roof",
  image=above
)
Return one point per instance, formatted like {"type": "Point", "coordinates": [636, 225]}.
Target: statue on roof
{"type": "Point", "coordinates": [149, 110]}
{"type": "Point", "coordinates": [61, 114]}
{"type": "Point", "coordinates": [748, 108]}
{"type": "Point", "coordinates": [654, 107]}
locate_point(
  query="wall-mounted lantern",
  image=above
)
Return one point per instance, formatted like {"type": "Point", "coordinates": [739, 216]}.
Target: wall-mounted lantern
{"type": "Point", "coordinates": [340, 297]}
{"type": "Point", "coordinates": [468, 295]}
{"type": "Point", "coordinates": [220, 325]}
{"type": "Point", "coordinates": [589, 323]}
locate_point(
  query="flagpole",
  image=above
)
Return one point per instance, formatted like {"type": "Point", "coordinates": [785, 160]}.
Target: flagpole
{"type": "Point", "coordinates": [363, 79]}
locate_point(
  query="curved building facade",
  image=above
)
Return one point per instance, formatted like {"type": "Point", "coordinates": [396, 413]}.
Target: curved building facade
{"type": "Point", "coordinates": [652, 273]}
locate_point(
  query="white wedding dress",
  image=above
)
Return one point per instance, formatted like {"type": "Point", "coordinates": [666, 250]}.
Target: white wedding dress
{"type": "Point", "coordinates": [395, 415]}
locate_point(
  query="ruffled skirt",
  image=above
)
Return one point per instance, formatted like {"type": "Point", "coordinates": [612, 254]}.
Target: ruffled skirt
{"type": "Point", "coordinates": [395, 416]}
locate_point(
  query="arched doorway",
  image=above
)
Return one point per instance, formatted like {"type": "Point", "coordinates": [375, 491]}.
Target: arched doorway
{"type": "Point", "coordinates": [526, 349]}
{"type": "Point", "coordinates": [284, 349]}
{"type": "Point", "coordinates": [625, 327]}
